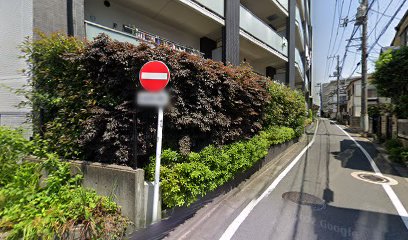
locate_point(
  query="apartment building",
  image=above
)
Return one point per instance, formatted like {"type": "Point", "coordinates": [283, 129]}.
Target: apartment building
{"type": "Point", "coordinates": [274, 36]}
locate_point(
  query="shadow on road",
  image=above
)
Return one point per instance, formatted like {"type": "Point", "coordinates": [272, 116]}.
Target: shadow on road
{"type": "Point", "coordinates": [337, 223]}
{"type": "Point", "coordinates": [352, 157]}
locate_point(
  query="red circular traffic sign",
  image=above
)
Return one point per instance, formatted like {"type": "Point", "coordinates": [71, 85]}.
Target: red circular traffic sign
{"type": "Point", "coordinates": [154, 76]}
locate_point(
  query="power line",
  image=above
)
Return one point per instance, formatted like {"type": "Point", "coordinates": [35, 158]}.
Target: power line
{"type": "Point", "coordinates": [338, 26]}
{"type": "Point", "coordinates": [386, 26]}
{"type": "Point", "coordinates": [331, 37]}
{"type": "Point", "coordinates": [344, 28]}
{"type": "Point", "coordinates": [385, 15]}
{"type": "Point", "coordinates": [382, 15]}
{"type": "Point", "coordinates": [356, 28]}
{"type": "Point", "coordinates": [378, 38]}
{"type": "Point", "coordinates": [337, 32]}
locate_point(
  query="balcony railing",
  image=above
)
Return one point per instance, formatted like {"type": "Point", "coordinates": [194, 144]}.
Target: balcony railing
{"type": "Point", "coordinates": [135, 36]}
{"type": "Point", "coordinates": [261, 31]}
{"type": "Point", "coordinates": [299, 21]}
{"type": "Point", "coordinates": [299, 62]}
{"type": "Point", "coordinates": [302, 6]}
{"type": "Point", "coordinates": [216, 6]}
{"type": "Point", "coordinates": [284, 4]}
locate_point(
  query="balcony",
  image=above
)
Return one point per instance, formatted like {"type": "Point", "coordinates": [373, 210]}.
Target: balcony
{"type": "Point", "coordinates": [301, 5]}
{"type": "Point", "coordinates": [299, 62]}
{"type": "Point", "coordinates": [272, 12]}
{"type": "Point", "coordinates": [134, 36]}
{"type": "Point", "coordinates": [259, 30]}
{"type": "Point", "coordinates": [299, 25]}
{"type": "Point", "coordinates": [283, 3]}
{"type": "Point", "coordinates": [216, 7]}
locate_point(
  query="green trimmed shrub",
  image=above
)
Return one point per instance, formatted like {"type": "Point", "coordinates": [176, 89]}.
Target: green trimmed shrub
{"type": "Point", "coordinates": [286, 108]}
{"type": "Point", "coordinates": [185, 178]}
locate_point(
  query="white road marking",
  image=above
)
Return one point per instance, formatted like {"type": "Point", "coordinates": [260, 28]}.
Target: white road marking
{"type": "Point", "coordinates": [391, 194]}
{"type": "Point", "coordinates": [154, 76]}
{"type": "Point", "coordinates": [233, 227]}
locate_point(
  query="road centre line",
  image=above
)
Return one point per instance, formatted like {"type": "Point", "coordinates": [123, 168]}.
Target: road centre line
{"type": "Point", "coordinates": [233, 227]}
{"type": "Point", "coordinates": [388, 189]}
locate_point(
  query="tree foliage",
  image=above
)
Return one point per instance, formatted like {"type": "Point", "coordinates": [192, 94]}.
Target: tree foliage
{"type": "Point", "coordinates": [391, 78]}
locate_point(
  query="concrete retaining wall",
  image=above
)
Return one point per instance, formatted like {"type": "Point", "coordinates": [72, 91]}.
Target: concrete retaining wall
{"type": "Point", "coordinates": [355, 122]}
{"type": "Point", "coordinates": [124, 184]}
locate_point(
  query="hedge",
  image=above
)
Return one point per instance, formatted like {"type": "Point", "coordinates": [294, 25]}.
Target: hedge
{"type": "Point", "coordinates": [185, 178]}
{"type": "Point", "coordinates": [33, 206]}
{"type": "Point", "coordinates": [86, 90]}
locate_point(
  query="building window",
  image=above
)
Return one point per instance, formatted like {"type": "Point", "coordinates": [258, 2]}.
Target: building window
{"type": "Point", "coordinates": [371, 93]}
{"type": "Point", "coordinates": [404, 37]}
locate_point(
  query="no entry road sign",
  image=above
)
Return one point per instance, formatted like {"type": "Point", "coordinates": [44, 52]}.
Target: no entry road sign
{"type": "Point", "coordinates": [154, 76]}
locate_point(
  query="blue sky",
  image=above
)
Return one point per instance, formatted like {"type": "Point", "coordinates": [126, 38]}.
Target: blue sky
{"type": "Point", "coordinates": [322, 18]}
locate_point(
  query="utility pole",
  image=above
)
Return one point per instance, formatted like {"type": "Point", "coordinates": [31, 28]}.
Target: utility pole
{"type": "Point", "coordinates": [338, 89]}
{"type": "Point", "coordinates": [361, 19]}
{"type": "Point", "coordinates": [319, 85]}
{"type": "Point", "coordinates": [337, 75]}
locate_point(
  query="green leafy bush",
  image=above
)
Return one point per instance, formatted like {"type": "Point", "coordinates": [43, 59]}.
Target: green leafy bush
{"type": "Point", "coordinates": [397, 151]}
{"type": "Point", "coordinates": [286, 108]}
{"type": "Point", "coordinates": [86, 92]}
{"type": "Point", "coordinates": [41, 200]}
{"type": "Point", "coordinates": [185, 178]}
{"type": "Point", "coordinates": [59, 94]}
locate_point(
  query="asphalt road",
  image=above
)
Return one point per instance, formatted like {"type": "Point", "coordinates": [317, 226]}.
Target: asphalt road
{"type": "Point", "coordinates": [320, 199]}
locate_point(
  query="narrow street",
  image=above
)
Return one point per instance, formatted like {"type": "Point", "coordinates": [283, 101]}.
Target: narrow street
{"type": "Point", "coordinates": [319, 198]}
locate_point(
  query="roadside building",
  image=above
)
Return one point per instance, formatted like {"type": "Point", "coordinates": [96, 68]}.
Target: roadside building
{"type": "Point", "coordinates": [354, 100]}
{"type": "Point", "coordinates": [401, 35]}
{"type": "Point", "coordinates": [275, 37]}
{"type": "Point", "coordinates": [399, 127]}
{"type": "Point", "coordinates": [329, 98]}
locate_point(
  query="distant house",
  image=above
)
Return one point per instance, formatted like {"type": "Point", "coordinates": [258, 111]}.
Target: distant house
{"type": "Point", "coordinates": [329, 97]}
{"type": "Point", "coordinates": [354, 99]}
{"type": "Point", "coordinates": [401, 36]}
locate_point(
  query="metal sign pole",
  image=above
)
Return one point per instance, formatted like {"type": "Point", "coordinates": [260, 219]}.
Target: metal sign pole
{"type": "Point", "coordinates": [157, 168]}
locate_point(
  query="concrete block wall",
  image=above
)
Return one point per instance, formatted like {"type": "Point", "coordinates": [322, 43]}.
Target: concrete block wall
{"type": "Point", "coordinates": [402, 131]}
{"type": "Point", "coordinates": [125, 184]}
{"type": "Point", "coordinates": [355, 122]}
{"type": "Point", "coordinates": [383, 125]}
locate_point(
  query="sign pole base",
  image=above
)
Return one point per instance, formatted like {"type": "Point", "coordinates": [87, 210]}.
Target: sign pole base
{"type": "Point", "coordinates": [157, 167]}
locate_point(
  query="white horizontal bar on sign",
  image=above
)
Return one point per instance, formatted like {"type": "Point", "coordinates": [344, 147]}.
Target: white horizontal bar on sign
{"type": "Point", "coordinates": [154, 76]}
